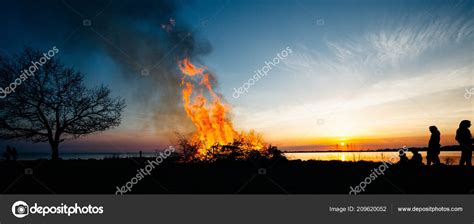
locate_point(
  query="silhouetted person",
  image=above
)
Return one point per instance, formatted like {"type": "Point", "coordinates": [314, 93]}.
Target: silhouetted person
{"type": "Point", "coordinates": [464, 137]}
{"type": "Point", "coordinates": [10, 153]}
{"type": "Point", "coordinates": [140, 152]}
{"type": "Point", "coordinates": [416, 159]}
{"type": "Point", "coordinates": [433, 147]}
{"type": "Point", "coordinates": [403, 157]}
{"type": "Point", "coordinates": [14, 154]}
{"type": "Point", "coordinates": [7, 155]}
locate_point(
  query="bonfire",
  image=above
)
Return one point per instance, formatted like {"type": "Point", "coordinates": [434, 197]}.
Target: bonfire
{"type": "Point", "coordinates": [215, 134]}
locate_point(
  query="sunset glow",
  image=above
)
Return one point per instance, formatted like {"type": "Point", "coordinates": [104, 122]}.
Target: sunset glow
{"type": "Point", "coordinates": [366, 75]}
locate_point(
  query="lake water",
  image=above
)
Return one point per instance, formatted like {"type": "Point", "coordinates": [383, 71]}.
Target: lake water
{"type": "Point", "coordinates": [445, 157]}
{"type": "Point", "coordinates": [84, 156]}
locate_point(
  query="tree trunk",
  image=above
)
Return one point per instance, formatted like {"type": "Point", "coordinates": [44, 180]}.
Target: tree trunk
{"type": "Point", "coordinates": [55, 151]}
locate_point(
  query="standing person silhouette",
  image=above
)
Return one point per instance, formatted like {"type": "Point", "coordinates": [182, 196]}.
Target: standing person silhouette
{"type": "Point", "coordinates": [464, 137]}
{"type": "Point", "coordinates": [433, 147]}
{"type": "Point", "coordinates": [14, 154]}
{"type": "Point", "coordinates": [8, 153]}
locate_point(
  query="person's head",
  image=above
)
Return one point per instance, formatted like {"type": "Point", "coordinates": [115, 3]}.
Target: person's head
{"type": "Point", "coordinates": [414, 151]}
{"type": "Point", "coordinates": [401, 153]}
{"type": "Point", "coordinates": [433, 129]}
{"type": "Point", "coordinates": [465, 124]}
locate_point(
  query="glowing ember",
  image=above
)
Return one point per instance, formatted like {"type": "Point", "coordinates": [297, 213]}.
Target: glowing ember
{"type": "Point", "coordinates": [209, 113]}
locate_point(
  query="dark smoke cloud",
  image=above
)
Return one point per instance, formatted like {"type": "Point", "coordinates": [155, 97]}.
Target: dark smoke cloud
{"type": "Point", "coordinates": [138, 35]}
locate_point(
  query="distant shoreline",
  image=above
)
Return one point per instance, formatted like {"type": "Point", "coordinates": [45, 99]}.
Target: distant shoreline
{"type": "Point", "coordinates": [449, 148]}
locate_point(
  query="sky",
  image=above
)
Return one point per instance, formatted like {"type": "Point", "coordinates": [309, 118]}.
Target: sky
{"type": "Point", "coordinates": [374, 74]}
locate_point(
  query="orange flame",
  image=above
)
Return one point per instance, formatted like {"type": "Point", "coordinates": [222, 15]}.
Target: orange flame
{"type": "Point", "coordinates": [208, 113]}
{"type": "Point", "coordinates": [189, 69]}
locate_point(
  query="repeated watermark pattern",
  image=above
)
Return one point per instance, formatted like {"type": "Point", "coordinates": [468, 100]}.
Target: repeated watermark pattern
{"type": "Point", "coordinates": [142, 173]}
{"type": "Point", "coordinates": [26, 73]}
{"type": "Point", "coordinates": [377, 172]}
{"type": "Point", "coordinates": [469, 92]}
{"type": "Point", "coordinates": [320, 22]}
{"type": "Point", "coordinates": [262, 72]}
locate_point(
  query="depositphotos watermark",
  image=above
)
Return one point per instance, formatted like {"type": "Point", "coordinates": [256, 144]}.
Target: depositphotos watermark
{"type": "Point", "coordinates": [379, 171]}
{"type": "Point", "coordinates": [260, 73]}
{"type": "Point", "coordinates": [141, 173]}
{"type": "Point", "coordinates": [26, 73]}
{"type": "Point", "coordinates": [469, 92]}
{"type": "Point", "coordinates": [20, 209]}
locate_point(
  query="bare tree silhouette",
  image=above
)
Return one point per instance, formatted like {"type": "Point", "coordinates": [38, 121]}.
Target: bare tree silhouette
{"type": "Point", "coordinates": [53, 105]}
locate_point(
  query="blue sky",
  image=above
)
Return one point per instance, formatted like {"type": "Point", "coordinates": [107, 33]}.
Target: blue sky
{"type": "Point", "coordinates": [366, 72]}
{"type": "Point", "coordinates": [385, 69]}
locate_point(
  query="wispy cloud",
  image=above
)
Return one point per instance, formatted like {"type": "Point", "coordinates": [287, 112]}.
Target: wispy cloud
{"type": "Point", "coordinates": [396, 44]}
{"type": "Point", "coordinates": [403, 69]}
{"type": "Point", "coordinates": [385, 48]}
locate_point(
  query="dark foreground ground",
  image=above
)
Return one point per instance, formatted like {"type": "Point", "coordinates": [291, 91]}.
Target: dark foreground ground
{"type": "Point", "coordinates": [246, 177]}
